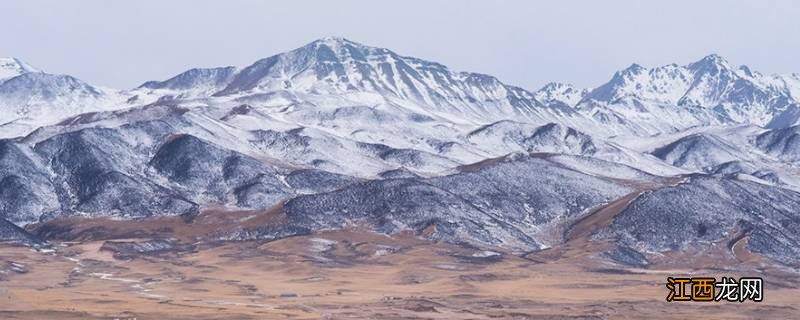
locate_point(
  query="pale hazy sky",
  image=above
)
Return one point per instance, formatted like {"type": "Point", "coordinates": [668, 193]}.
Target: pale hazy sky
{"type": "Point", "coordinates": [526, 43]}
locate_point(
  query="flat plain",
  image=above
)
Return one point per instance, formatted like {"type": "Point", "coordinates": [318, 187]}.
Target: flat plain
{"type": "Point", "coordinates": [354, 274]}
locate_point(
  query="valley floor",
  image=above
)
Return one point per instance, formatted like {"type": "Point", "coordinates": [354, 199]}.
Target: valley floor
{"type": "Point", "coordinates": [359, 275]}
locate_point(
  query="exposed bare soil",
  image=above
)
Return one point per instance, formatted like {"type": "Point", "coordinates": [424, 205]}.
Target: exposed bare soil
{"type": "Point", "coordinates": [359, 275]}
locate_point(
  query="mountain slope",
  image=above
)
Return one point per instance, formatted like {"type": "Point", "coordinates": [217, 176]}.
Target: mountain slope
{"type": "Point", "coordinates": [705, 209]}
{"type": "Point", "coordinates": [782, 143]}
{"type": "Point", "coordinates": [26, 188]}
{"type": "Point", "coordinates": [212, 174]}
{"type": "Point", "coordinates": [511, 202]}
{"type": "Point", "coordinates": [698, 152]}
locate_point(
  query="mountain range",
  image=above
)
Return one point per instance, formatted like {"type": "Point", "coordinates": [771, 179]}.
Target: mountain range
{"type": "Point", "coordinates": [337, 133]}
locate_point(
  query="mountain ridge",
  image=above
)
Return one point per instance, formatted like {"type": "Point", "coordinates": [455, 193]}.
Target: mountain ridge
{"type": "Point", "coordinates": [636, 100]}
{"type": "Point", "coordinates": [336, 133]}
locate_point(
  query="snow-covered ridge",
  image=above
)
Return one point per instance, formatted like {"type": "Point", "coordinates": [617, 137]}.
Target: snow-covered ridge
{"type": "Point", "coordinates": [12, 67]}
{"type": "Point", "coordinates": [337, 66]}
{"type": "Point", "coordinates": [636, 101]}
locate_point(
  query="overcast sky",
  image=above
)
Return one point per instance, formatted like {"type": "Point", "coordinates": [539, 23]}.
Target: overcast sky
{"type": "Point", "coordinates": [526, 43]}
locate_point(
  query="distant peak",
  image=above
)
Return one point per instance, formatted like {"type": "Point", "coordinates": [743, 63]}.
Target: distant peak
{"type": "Point", "coordinates": [714, 58]}
{"type": "Point", "coordinates": [335, 42]}
{"type": "Point", "coordinates": [559, 92]}
{"type": "Point", "coordinates": [710, 61]}
{"type": "Point", "coordinates": [556, 85]}
{"type": "Point", "coordinates": [338, 46]}
{"type": "Point", "coordinates": [555, 88]}
{"type": "Point", "coordinates": [634, 68]}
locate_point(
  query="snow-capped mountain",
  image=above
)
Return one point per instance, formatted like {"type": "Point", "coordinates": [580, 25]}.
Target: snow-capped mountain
{"type": "Point", "coordinates": [338, 133]}
{"type": "Point", "coordinates": [30, 98]}
{"type": "Point", "coordinates": [707, 92]}
{"type": "Point", "coordinates": [340, 66]}
{"type": "Point", "coordinates": [345, 69]}
{"type": "Point", "coordinates": [337, 71]}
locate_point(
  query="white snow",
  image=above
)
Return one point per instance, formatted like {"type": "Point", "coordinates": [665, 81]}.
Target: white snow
{"type": "Point", "coordinates": [348, 108]}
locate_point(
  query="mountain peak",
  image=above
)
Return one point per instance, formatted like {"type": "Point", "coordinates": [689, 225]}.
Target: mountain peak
{"type": "Point", "coordinates": [336, 44]}
{"type": "Point", "coordinates": [710, 62]}
{"type": "Point", "coordinates": [714, 58]}
{"type": "Point", "coordinates": [11, 67]}
{"type": "Point", "coordinates": [634, 68]}
{"type": "Point", "coordinates": [559, 92]}
{"type": "Point", "coordinates": [333, 39]}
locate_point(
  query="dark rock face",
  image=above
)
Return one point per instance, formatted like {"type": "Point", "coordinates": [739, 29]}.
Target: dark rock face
{"type": "Point", "coordinates": [11, 233]}
{"type": "Point", "coordinates": [317, 181]}
{"type": "Point", "coordinates": [627, 256]}
{"type": "Point", "coordinates": [676, 217]}
{"type": "Point", "coordinates": [210, 172]}
{"type": "Point", "coordinates": [398, 173]}
{"type": "Point", "coordinates": [129, 249]}
{"type": "Point", "coordinates": [97, 172]}
{"type": "Point", "coordinates": [504, 203]}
